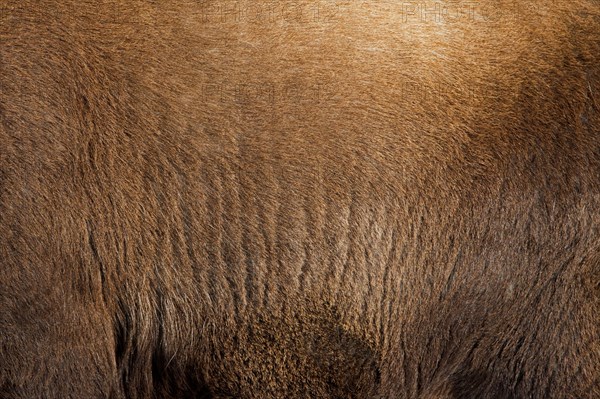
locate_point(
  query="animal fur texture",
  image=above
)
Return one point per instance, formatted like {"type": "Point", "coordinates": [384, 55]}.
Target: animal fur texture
{"type": "Point", "coordinates": [308, 199]}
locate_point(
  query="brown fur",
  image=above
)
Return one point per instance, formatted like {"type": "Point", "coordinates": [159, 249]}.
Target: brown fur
{"type": "Point", "coordinates": [299, 200]}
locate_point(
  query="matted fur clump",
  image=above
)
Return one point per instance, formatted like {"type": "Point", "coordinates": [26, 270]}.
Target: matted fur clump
{"type": "Point", "coordinates": [307, 199]}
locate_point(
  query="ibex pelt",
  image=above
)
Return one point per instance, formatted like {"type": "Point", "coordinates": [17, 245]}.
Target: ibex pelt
{"type": "Point", "coordinates": [299, 199]}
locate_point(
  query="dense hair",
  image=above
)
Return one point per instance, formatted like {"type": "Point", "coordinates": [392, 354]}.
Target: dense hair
{"type": "Point", "coordinates": [317, 199]}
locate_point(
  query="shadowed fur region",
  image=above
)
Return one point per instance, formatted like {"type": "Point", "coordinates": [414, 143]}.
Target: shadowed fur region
{"type": "Point", "coordinates": [299, 199]}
